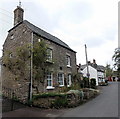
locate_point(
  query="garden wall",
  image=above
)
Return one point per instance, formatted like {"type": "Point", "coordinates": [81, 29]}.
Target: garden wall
{"type": "Point", "coordinates": [70, 99]}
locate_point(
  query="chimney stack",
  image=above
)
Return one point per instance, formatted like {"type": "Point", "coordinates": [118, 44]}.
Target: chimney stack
{"type": "Point", "coordinates": [18, 15]}
{"type": "Point", "coordinates": [94, 61]}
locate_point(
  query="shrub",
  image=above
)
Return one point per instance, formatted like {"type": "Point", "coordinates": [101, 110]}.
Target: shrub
{"type": "Point", "coordinates": [46, 95]}
{"type": "Point", "coordinates": [86, 82]}
{"type": "Point", "coordinates": [93, 83]}
{"type": "Point", "coordinates": [60, 102]}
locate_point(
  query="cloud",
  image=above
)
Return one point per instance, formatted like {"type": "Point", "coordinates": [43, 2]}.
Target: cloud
{"type": "Point", "coordinates": [76, 22]}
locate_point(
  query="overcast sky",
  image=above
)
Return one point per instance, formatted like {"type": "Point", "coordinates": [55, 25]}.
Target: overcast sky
{"type": "Point", "coordinates": [76, 22]}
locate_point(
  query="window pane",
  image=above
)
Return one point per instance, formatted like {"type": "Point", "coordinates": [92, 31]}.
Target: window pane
{"type": "Point", "coordinates": [49, 79]}
{"type": "Point", "coordinates": [61, 79]}
{"type": "Point", "coordinates": [49, 54]}
{"type": "Point", "coordinates": [49, 83]}
{"type": "Point", "coordinates": [69, 79]}
{"type": "Point", "coordinates": [68, 60]}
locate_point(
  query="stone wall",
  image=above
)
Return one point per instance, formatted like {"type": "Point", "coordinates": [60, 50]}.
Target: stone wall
{"type": "Point", "coordinates": [71, 98]}
{"type": "Point", "coordinates": [17, 37]}
{"type": "Point", "coordinates": [59, 62]}
{"type": "Point", "coordinates": [21, 35]}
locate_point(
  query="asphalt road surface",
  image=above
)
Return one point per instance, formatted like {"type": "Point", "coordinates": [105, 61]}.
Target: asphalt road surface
{"type": "Point", "coordinates": [104, 105]}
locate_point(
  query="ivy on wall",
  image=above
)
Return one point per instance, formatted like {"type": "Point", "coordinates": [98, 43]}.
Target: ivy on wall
{"type": "Point", "coordinates": [16, 62]}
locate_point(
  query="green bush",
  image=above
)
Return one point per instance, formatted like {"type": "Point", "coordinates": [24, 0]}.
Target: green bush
{"type": "Point", "coordinates": [93, 83]}
{"type": "Point", "coordinates": [46, 95]}
{"type": "Point", "coordinates": [60, 102]}
{"type": "Point", "coordinates": [75, 86]}
{"type": "Point", "coordinates": [86, 82]}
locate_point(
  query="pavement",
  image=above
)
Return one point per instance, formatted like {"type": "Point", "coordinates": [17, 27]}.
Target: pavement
{"type": "Point", "coordinates": [34, 112]}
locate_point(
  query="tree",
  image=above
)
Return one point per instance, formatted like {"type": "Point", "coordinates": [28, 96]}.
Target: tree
{"type": "Point", "coordinates": [109, 71]}
{"type": "Point", "coordinates": [39, 64]}
{"type": "Point", "coordinates": [116, 59]}
{"type": "Point", "coordinates": [16, 62]}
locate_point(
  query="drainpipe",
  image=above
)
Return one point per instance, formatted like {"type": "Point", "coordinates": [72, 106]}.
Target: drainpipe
{"type": "Point", "coordinates": [31, 67]}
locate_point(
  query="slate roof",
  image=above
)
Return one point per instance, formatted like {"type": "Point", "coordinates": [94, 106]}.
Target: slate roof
{"type": "Point", "coordinates": [44, 34]}
{"type": "Point", "coordinates": [99, 67]}
{"type": "Point", "coordinates": [82, 67]}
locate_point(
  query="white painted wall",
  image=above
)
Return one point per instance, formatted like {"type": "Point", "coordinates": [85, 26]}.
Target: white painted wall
{"type": "Point", "coordinates": [101, 76]}
{"type": "Point", "coordinates": [93, 73]}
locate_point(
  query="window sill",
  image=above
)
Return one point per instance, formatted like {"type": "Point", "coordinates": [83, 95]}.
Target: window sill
{"type": "Point", "coordinates": [68, 85]}
{"type": "Point", "coordinates": [50, 87]}
{"type": "Point", "coordinates": [68, 66]}
{"type": "Point", "coordinates": [61, 85]}
{"type": "Point", "coordinates": [49, 61]}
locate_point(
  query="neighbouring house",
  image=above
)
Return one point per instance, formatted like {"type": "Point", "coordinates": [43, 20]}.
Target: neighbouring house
{"type": "Point", "coordinates": [62, 58]}
{"type": "Point", "coordinates": [95, 71]}
{"type": "Point", "coordinates": [101, 73]}
{"type": "Point", "coordinates": [92, 72]}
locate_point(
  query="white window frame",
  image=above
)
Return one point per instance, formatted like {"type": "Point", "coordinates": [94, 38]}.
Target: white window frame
{"type": "Point", "coordinates": [69, 80]}
{"type": "Point", "coordinates": [39, 40]}
{"type": "Point", "coordinates": [61, 79]}
{"type": "Point", "coordinates": [50, 78]}
{"type": "Point", "coordinates": [12, 37]}
{"type": "Point", "coordinates": [10, 55]}
{"type": "Point", "coordinates": [49, 54]}
{"type": "Point", "coordinates": [68, 60]}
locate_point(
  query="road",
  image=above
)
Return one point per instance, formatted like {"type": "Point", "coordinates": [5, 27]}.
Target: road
{"type": "Point", "coordinates": [105, 105]}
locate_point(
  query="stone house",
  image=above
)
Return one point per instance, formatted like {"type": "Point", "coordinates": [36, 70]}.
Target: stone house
{"type": "Point", "coordinates": [62, 58]}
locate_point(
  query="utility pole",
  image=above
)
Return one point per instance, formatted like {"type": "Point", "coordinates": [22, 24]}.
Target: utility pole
{"type": "Point", "coordinates": [88, 74]}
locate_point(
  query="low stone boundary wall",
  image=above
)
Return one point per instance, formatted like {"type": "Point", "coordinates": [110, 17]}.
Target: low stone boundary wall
{"type": "Point", "coordinates": [71, 98]}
